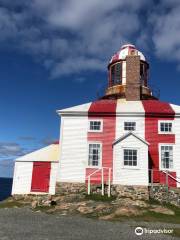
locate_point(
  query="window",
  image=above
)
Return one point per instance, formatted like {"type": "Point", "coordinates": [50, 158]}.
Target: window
{"type": "Point", "coordinates": [130, 157]}
{"type": "Point", "coordinates": [143, 74]}
{"type": "Point", "coordinates": [129, 126]}
{"type": "Point", "coordinates": [116, 74]}
{"type": "Point", "coordinates": [94, 156]}
{"type": "Point", "coordinates": [95, 126]}
{"type": "Point", "coordinates": [167, 157]}
{"type": "Point", "coordinates": [165, 127]}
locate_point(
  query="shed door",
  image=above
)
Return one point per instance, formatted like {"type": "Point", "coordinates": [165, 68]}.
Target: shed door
{"type": "Point", "coordinates": [40, 177]}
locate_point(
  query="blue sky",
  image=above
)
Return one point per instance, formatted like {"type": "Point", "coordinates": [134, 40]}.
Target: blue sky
{"type": "Point", "coordinates": [54, 54]}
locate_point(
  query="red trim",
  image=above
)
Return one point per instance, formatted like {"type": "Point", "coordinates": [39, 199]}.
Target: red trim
{"type": "Point", "coordinates": [154, 111]}
{"type": "Point", "coordinates": [40, 177]}
{"type": "Point", "coordinates": [105, 110]}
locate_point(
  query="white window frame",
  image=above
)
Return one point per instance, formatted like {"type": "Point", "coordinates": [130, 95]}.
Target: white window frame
{"type": "Point", "coordinates": [138, 158]}
{"type": "Point", "coordinates": [95, 120]}
{"type": "Point", "coordinates": [100, 160]}
{"type": "Point", "coordinates": [166, 144]}
{"type": "Point", "coordinates": [130, 122]}
{"type": "Point", "coordinates": [165, 121]}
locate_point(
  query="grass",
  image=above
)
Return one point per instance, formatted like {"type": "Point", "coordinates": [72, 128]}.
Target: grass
{"type": "Point", "coordinates": [176, 232]}
{"type": "Point", "coordinates": [12, 204]}
{"type": "Point", "coordinates": [158, 217]}
{"type": "Point", "coordinates": [43, 208]}
{"type": "Point", "coordinates": [98, 197]}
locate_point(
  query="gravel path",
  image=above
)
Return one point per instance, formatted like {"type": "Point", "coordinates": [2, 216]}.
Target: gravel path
{"type": "Point", "coordinates": [23, 224]}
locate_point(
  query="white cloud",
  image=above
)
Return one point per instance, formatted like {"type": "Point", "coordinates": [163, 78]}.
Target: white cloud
{"type": "Point", "coordinates": [166, 30]}
{"type": "Point", "coordinates": [73, 36]}
{"type": "Point", "coordinates": [10, 149]}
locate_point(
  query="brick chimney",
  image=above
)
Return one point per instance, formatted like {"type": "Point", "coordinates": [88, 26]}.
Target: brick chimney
{"type": "Point", "coordinates": [133, 90]}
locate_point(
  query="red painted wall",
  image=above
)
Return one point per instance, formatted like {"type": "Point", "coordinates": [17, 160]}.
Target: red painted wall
{"type": "Point", "coordinates": [101, 110]}
{"type": "Point", "coordinates": [155, 111]}
{"type": "Point", "coordinates": [40, 177]}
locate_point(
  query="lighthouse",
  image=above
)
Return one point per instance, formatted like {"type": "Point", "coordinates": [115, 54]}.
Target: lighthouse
{"type": "Point", "coordinates": [127, 139]}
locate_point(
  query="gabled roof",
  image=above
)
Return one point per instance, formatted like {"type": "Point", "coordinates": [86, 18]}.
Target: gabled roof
{"type": "Point", "coordinates": [46, 154]}
{"type": "Point", "coordinates": [83, 108]}
{"type": "Point", "coordinates": [127, 135]}
{"type": "Point", "coordinates": [176, 109]}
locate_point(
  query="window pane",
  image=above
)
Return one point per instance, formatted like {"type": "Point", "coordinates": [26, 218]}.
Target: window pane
{"type": "Point", "coordinates": [166, 127]}
{"type": "Point", "coordinates": [130, 126]}
{"type": "Point", "coordinates": [116, 74]}
{"type": "Point", "coordinates": [95, 125]}
{"type": "Point", "coordinates": [130, 157]}
{"type": "Point", "coordinates": [167, 157]}
{"type": "Point", "coordinates": [94, 155]}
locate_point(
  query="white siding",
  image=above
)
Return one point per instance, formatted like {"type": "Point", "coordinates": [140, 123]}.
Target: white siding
{"type": "Point", "coordinates": [22, 178]}
{"type": "Point", "coordinates": [130, 176]}
{"type": "Point", "coordinates": [176, 156]}
{"type": "Point", "coordinates": [73, 159]}
{"type": "Point", "coordinates": [53, 176]}
{"type": "Point", "coordinates": [128, 107]}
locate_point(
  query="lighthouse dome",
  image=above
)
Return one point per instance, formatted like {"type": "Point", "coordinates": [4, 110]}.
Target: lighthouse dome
{"type": "Point", "coordinates": [127, 49]}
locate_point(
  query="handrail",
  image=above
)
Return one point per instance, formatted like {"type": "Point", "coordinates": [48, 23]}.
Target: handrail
{"type": "Point", "coordinates": [97, 170]}
{"type": "Point", "coordinates": [102, 180]}
{"type": "Point", "coordinates": [166, 172]}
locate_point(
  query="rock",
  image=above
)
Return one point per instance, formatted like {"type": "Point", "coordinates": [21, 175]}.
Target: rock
{"type": "Point", "coordinates": [34, 204]}
{"type": "Point", "coordinates": [140, 203]}
{"type": "Point", "coordinates": [64, 206]}
{"type": "Point", "coordinates": [100, 207]}
{"type": "Point", "coordinates": [162, 210]}
{"type": "Point", "coordinates": [107, 217]}
{"type": "Point", "coordinates": [81, 203]}
{"type": "Point", "coordinates": [85, 209]}
{"type": "Point", "coordinates": [46, 203]}
{"type": "Point", "coordinates": [58, 199]}
{"type": "Point", "coordinates": [128, 211]}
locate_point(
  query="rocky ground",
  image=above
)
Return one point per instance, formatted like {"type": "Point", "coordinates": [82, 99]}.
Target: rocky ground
{"type": "Point", "coordinates": [99, 207]}
{"type": "Point", "coordinates": [117, 218]}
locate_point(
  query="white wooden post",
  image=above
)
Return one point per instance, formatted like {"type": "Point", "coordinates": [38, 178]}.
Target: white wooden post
{"type": "Point", "coordinates": [102, 181]}
{"type": "Point", "coordinates": [152, 180]}
{"type": "Point", "coordinates": [109, 183]}
{"type": "Point", "coordinates": [167, 179]}
{"type": "Point", "coordinates": [89, 186]}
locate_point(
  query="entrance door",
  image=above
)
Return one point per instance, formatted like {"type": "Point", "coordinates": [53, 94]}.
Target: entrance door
{"type": "Point", "coordinates": [40, 177]}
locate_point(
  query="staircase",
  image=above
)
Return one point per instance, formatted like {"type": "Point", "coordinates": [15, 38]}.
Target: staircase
{"type": "Point", "coordinates": [103, 182]}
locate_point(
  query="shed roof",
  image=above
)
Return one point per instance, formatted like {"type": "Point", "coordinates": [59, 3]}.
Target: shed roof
{"type": "Point", "coordinates": [46, 154]}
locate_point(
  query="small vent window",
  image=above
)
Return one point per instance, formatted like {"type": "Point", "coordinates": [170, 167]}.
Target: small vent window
{"type": "Point", "coordinates": [95, 125]}
{"type": "Point", "coordinates": [165, 127]}
{"type": "Point", "coordinates": [129, 126]}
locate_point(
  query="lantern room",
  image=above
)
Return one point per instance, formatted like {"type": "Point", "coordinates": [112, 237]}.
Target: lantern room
{"type": "Point", "coordinates": [128, 75]}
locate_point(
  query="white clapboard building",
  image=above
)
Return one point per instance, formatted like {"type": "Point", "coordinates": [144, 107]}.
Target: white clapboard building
{"type": "Point", "coordinates": [127, 137]}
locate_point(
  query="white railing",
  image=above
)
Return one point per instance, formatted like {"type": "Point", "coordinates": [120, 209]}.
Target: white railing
{"type": "Point", "coordinates": [174, 178]}
{"type": "Point", "coordinates": [102, 180]}
{"type": "Point", "coordinates": [167, 174]}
